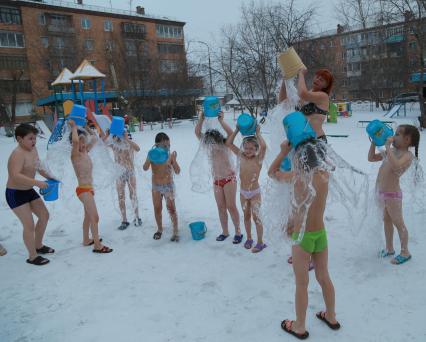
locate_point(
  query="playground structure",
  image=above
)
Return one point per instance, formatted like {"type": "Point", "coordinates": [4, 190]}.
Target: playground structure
{"type": "Point", "coordinates": [344, 109]}
{"type": "Point", "coordinates": [85, 73]}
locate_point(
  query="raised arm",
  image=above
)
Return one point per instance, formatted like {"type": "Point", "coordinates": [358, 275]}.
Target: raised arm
{"type": "Point", "coordinates": [15, 166]}
{"type": "Point", "coordinates": [175, 164]}
{"type": "Point", "coordinates": [230, 141]}
{"type": "Point", "coordinates": [199, 125]}
{"type": "Point", "coordinates": [74, 138]}
{"type": "Point", "coordinates": [283, 93]}
{"type": "Point", "coordinates": [133, 145]}
{"type": "Point", "coordinates": [274, 169]}
{"type": "Point", "coordinates": [372, 155]}
{"type": "Point", "coordinates": [317, 97]}
{"type": "Point", "coordinates": [224, 125]}
{"type": "Point", "coordinates": [262, 143]}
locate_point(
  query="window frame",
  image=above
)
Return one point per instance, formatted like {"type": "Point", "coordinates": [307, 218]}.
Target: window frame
{"type": "Point", "coordinates": [16, 39]}
{"type": "Point", "coordinates": [108, 25]}
{"type": "Point", "coordinates": [84, 22]}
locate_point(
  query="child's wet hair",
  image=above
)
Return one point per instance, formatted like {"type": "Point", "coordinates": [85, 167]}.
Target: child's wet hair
{"type": "Point", "coordinates": [160, 137]}
{"type": "Point", "coordinates": [79, 132]}
{"type": "Point", "coordinates": [252, 140]}
{"type": "Point", "coordinates": [213, 136]}
{"type": "Point", "coordinates": [24, 129]}
{"type": "Point", "coordinates": [414, 134]}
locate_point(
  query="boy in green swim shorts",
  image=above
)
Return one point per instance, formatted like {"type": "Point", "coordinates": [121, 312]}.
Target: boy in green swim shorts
{"type": "Point", "coordinates": [312, 242]}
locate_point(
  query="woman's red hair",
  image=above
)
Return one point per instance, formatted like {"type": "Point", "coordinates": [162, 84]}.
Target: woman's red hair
{"type": "Point", "coordinates": [328, 77]}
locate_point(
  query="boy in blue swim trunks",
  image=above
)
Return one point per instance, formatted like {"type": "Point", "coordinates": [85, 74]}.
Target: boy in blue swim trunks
{"type": "Point", "coordinates": [24, 201]}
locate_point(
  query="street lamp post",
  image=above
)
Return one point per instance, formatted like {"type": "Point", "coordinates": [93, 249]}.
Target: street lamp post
{"type": "Point", "coordinates": [210, 67]}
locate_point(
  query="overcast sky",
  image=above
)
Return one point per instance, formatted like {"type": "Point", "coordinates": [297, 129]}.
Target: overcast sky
{"type": "Point", "coordinates": [204, 18]}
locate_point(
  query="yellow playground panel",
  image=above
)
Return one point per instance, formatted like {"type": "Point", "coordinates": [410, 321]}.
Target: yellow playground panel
{"type": "Point", "coordinates": [68, 106]}
{"type": "Point", "coordinates": [344, 109]}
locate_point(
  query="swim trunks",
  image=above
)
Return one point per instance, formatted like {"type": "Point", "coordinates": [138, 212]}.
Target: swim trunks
{"type": "Point", "coordinates": [81, 189]}
{"type": "Point", "coordinates": [312, 242]}
{"type": "Point", "coordinates": [16, 198]}
{"type": "Point", "coordinates": [249, 194]}
{"type": "Point", "coordinates": [222, 182]}
{"type": "Point", "coordinates": [166, 190]}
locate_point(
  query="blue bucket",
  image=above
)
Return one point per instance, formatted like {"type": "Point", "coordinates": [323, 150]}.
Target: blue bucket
{"type": "Point", "coordinates": [158, 155]}
{"type": "Point", "coordinates": [117, 126]}
{"type": "Point", "coordinates": [78, 115]}
{"type": "Point", "coordinates": [379, 132]}
{"type": "Point", "coordinates": [285, 165]}
{"type": "Point", "coordinates": [247, 124]}
{"type": "Point", "coordinates": [51, 193]}
{"type": "Point", "coordinates": [198, 230]}
{"type": "Point", "coordinates": [211, 106]}
{"type": "Point", "coordinates": [298, 128]}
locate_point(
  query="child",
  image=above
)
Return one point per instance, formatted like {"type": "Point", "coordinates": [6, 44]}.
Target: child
{"type": "Point", "coordinates": [124, 156]}
{"type": "Point", "coordinates": [224, 179]}
{"type": "Point", "coordinates": [396, 161]}
{"type": "Point", "coordinates": [252, 155]}
{"type": "Point", "coordinates": [83, 170]}
{"type": "Point", "coordinates": [22, 198]}
{"type": "Point", "coordinates": [163, 186]}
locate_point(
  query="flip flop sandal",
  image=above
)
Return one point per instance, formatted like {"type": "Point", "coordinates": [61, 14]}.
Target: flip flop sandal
{"type": "Point", "coordinates": [103, 250]}
{"type": "Point", "coordinates": [123, 225]}
{"type": "Point", "coordinates": [222, 237]}
{"type": "Point", "coordinates": [137, 222]}
{"type": "Point", "coordinates": [321, 316]}
{"type": "Point", "coordinates": [175, 238]}
{"type": "Point", "coordinates": [248, 244]}
{"type": "Point", "coordinates": [237, 239]}
{"type": "Point", "coordinates": [258, 248]}
{"type": "Point", "coordinates": [92, 242]}
{"type": "Point", "coordinates": [3, 250]}
{"type": "Point", "coordinates": [38, 261]}
{"type": "Point", "coordinates": [303, 336]}
{"type": "Point", "coordinates": [311, 264]}
{"type": "Point", "coordinates": [157, 235]}
{"type": "Point", "coordinates": [384, 253]}
{"type": "Point", "coordinates": [400, 259]}
{"type": "Point", "coordinates": [45, 250]}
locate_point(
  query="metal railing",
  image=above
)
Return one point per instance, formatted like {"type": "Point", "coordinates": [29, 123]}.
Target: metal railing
{"type": "Point", "coordinates": [67, 4]}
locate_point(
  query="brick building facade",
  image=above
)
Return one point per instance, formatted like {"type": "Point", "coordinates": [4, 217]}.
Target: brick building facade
{"type": "Point", "coordinates": [39, 38]}
{"type": "Point", "coordinates": [373, 63]}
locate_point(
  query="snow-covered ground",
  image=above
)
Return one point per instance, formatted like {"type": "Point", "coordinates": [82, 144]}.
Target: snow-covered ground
{"type": "Point", "coordinates": [153, 291]}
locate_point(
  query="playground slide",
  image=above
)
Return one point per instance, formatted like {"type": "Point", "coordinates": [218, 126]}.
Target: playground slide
{"type": "Point", "coordinates": [103, 121]}
{"type": "Point", "coordinates": [45, 131]}
{"type": "Point", "coordinates": [394, 110]}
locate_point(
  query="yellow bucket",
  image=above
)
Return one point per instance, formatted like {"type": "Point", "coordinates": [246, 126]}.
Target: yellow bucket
{"type": "Point", "coordinates": [290, 63]}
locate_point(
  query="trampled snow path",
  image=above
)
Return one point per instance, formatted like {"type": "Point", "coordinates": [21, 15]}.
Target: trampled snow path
{"type": "Point", "coordinates": [153, 291]}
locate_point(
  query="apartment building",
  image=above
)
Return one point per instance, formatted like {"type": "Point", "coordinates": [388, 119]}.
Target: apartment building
{"type": "Point", "coordinates": [39, 38]}
{"type": "Point", "coordinates": [373, 63]}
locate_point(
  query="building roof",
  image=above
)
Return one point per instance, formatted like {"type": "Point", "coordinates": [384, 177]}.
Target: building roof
{"type": "Point", "coordinates": [113, 12]}
{"type": "Point", "coordinates": [86, 71]}
{"type": "Point", "coordinates": [63, 78]}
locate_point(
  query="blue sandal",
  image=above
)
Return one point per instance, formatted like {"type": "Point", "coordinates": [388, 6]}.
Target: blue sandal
{"type": "Point", "coordinates": [400, 259]}
{"type": "Point", "coordinates": [221, 237]}
{"type": "Point", "coordinates": [237, 239]}
{"type": "Point", "coordinates": [385, 253]}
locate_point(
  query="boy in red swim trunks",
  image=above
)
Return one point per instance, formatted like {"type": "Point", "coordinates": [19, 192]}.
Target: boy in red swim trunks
{"type": "Point", "coordinates": [225, 181]}
{"type": "Point", "coordinates": [22, 198]}
{"type": "Point", "coordinates": [83, 170]}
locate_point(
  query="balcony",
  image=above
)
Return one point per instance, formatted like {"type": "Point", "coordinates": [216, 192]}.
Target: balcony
{"type": "Point", "coordinates": [60, 29]}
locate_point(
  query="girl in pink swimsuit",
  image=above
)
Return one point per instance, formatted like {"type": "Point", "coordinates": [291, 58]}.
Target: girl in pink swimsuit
{"type": "Point", "coordinates": [396, 160]}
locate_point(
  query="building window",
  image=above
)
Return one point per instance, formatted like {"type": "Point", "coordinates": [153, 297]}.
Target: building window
{"type": "Point", "coordinates": [93, 61]}
{"type": "Point", "coordinates": [108, 26]}
{"type": "Point", "coordinates": [58, 20]}
{"type": "Point", "coordinates": [13, 62]}
{"type": "Point", "coordinates": [169, 48]}
{"type": "Point", "coordinates": [45, 41]}
{"type": "Point", "coordinates": [109, 45]}
{"type": "Point", "coordinates": [89, 44]}
{"type": "Point", "coordinates": [59, 43]}
{"type": "Point", "coordinates": [168, 66]}
{"type": "Point", "coordinates": [85, 23]}
{"type": "Point", "coordinates": [11, 39]}
{"type": "Point", "coordinates": [23, 86]}
{"type": "Point", "coordinates": [10, 15]}
{"type": "Point", "coordinates": [133, 28]}
{"type": "Point", "coordinates": [42, 19]}
{"type": "Point", "coordinates": [412, 45]}
{"type": "Point", "coordinates": [165, 31]}
{"type": "Point", "coordinates": [131, 48]}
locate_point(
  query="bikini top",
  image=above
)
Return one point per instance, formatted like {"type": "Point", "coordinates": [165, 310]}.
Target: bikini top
{"type": "Point", "coordinates": [311, 108]}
